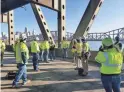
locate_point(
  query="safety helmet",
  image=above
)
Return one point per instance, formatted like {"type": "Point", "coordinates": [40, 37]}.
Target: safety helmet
{"type": "Point", "coordinates": [107, 42]}
{"type": "Point", "coordinates": [23, 37]}
{"type": "Point", "coordinates": [37, 38]}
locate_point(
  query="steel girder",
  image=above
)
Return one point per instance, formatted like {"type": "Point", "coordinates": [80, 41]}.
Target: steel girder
{"type": "Point", "coordinates": [61, 21]}
{"type": "Point", "coordinates": [11, 27]}
{"type": "Point", "coordinates": [88, 18]}
{"type": "Point", "coordinates": [42, 22]}
{"type": "Point", "coordinates": [3, 18]}
{"type": "Point", "coordinates": [7, 5]}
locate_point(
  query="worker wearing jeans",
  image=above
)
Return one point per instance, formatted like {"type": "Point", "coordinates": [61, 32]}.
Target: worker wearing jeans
{"type": "Point", "coordinates": [35, 53]}
{"type": "Point", "coordinates": [22, 56]}
{"type": "Point", "coordinates": [111, 63]}
{"type": "Point", "coordinates": [46, 50]}
{"type": "Point", "coordinates": [65, 46]}
{"type": "Point", "coordinates": [42, 51]}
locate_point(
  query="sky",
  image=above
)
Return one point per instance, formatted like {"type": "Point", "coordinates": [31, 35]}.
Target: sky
{"type": "Point", "coordinates": [110, 16]}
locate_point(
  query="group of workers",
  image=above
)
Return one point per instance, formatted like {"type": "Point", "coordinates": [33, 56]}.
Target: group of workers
{"type": "Point", "coordinates": [110, 56]}
{"type": "Point", "coordinates": [81, 54]}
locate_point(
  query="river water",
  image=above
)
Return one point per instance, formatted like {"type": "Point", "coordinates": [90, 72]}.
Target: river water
{"type": "Point", "coordinates": [94, 45]}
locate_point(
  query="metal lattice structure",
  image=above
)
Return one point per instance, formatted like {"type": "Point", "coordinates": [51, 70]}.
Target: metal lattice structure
{"type": "Point", "coordinates": [99, 36]}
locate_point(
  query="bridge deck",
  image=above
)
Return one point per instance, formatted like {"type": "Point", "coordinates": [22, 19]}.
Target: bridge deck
{"type": "Point", "coordinates": [57, 76]}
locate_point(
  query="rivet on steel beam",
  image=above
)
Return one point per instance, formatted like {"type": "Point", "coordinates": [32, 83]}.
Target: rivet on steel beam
{"type": "Point", "coordinates": [63, 28]}
{"type": "Point", "coordinates": [11, 20]}
{"type": "Point", "coordinates": [47, 30]}
{"type": "Point", "coordinates": [63, 6]}
{"type": "Point", "coordinates": [11, 14]}
{"type": "Point", "coordinates": [63, 17]}
{"type": "Point", "coordinates": [44, 23]}
{"type": "Point", "coordinates": [93, 17]}
{"type": "Point", "coordinates": [38, 9]}
{"type": "Point", "coordinates": [42, 16]}
{"type": "Point", "coordinates": [11, 32]}
{"type": "Point", "coordinates": [11, 26]}
{"type": "Point", "coordinates": [12, 38]}
{"type": "Point", "coordinates": [100, 4]}
{"type": "Point", "coordinates": [87, 29]}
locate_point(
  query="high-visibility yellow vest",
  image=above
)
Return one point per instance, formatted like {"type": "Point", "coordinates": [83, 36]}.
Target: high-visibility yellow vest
{"type": "Point", "coordinates": [73, 50]}
{"type": "Point", "coordinates": [3, 46]}
{"type": "Point", "coordinates": [111, 61]}
{"type": "Point", "coordinates": [34, 47]}
{"type": "Point", "coordinates": [65, 44]}
{"type": "Point", "coordinates": [42, 46]}
{"type": "Point", "coordinates": [79, 47]}
{"type": "Point", "coordinates": [46, 45]}
{"type": "Point", "coordinates": [85, 47]}
{"type": "Point", "coordinates": [21, 47]}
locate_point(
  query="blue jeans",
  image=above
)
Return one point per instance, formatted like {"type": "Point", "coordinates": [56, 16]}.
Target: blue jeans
{"type": "Point", "coordinates": [35, 61]}
{"type": "Point", "coordinates": [41, 55]}
{"type": "Point", "coordinates": [64, 52]}
{"type": "Point", "coordinates": [111, 83]}
{"type": "Point", "coordinates": [52, 54]}
{"type": "Point", "coordinates": [22, 74]}
{"type": "Point", "coordinates": [46, 55]}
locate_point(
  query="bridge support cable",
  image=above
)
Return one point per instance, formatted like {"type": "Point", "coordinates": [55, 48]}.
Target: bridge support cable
{"type": "Point", "coordinates": [42, 22]}
{"type": "Point", "coordinates": [88, 18]}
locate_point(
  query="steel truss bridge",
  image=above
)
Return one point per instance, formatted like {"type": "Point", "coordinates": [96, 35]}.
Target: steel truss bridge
{"type": "Point", "coordinates": [95, 36]}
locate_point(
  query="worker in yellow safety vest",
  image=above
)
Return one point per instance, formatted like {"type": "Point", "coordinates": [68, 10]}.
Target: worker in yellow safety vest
{"type": "Point", "coordinates": [73, 50]}
{"type": "Point", "coordinates": [35, 53]}
{"type": "Point", "coordinates": [78, 53]}
{"type": "Point", "coordinates": [64, 46]}
{"type": "Point", "coordinates": [22, 56]}
{"type": "Point", "coordinates": [111, 63]}
{"type": "Point", "coordinates": [123, 59]}
{"type": "Point", "coordinates": [46, 50]}
{"type": "Point", "coordinates": [41, 51]}
{"type": "Point", "coordinates": [2, 50]}
{"type": "Point", "coordinates": [14, 45]}
{"type": "Point", "coordinates": [85, 56]}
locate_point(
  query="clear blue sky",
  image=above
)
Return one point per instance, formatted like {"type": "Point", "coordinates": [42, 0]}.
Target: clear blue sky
{"type": "Point", "coordinates": [110, 16]}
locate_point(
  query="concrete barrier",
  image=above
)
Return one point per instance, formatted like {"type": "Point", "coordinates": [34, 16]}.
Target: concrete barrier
{"type": "Point", "coordinates": [59, 54]}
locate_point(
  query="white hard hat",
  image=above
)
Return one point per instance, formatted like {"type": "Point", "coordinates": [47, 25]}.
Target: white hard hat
{"type": "Point", "coordinates": [37, 38]}
{"type": "Point", "coordinates": [23, 36]}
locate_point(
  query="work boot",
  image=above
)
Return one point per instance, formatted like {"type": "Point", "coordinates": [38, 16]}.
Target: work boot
{"type": "Point", "coordinates": [25, 82]}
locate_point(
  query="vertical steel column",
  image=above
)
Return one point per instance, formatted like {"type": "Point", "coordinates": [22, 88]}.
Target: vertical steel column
{"type": "Point", "coordinates": [41, 22]}
{"type": "Point", "coordinates": [61, 21]}
{"type": "Point", "coordinates": [11, 27]}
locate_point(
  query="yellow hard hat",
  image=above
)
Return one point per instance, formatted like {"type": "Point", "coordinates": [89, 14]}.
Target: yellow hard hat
{"type": "Point", "coordinates": [107, 42]}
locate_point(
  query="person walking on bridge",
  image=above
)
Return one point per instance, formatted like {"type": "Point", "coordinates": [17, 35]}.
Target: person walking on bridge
{"type": "Point", "coordinates": [22, 56]}
{"type": "Point", "coordinates": [85, 56]}
{"type": "Point", "coordinates": [65, 46]}
{"type": "Point", "coordinates": [111, 63]}
{"type": "Point", "coordinates": [35, 53]}
{"type": "Point", "coordinates": [42, 51]}
{"type": "Point", "coordinates": [52, 51]}
{"type": "Point", "coordinates": [2, 50]}
{"type": "Point", "coordinates": [46, 50]}
{"type": "Point", "coordinates": [78, 53]}
{"type": "Point", "coordinates": [73, 50]}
